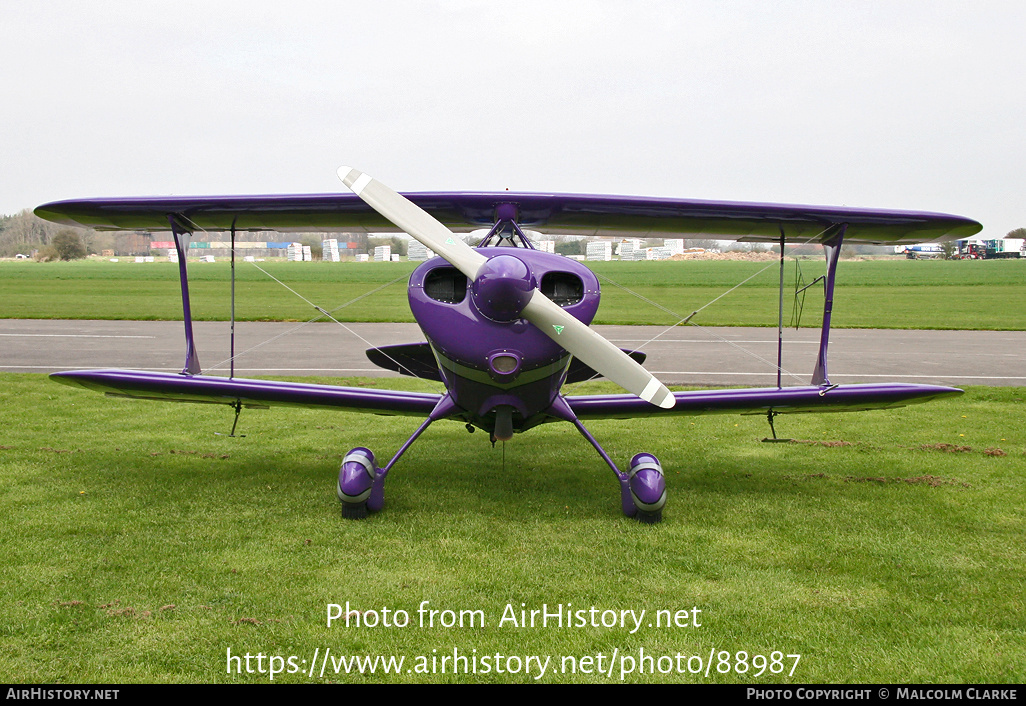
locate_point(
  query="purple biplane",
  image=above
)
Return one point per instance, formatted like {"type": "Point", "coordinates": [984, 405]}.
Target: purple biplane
{"type": "Point", "coordinates": [506, 324]}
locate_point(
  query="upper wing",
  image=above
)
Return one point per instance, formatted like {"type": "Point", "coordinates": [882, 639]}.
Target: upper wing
{"type": "Point", "coordinates": [842, 398]}
{"type": "Point", "coordinates": [576, 214]}
{"type": "Point", "coordinates": [140, 384]}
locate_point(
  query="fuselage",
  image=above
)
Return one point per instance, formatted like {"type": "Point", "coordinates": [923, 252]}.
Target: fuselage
{"type": "Point", "coordinates": [495, 364]}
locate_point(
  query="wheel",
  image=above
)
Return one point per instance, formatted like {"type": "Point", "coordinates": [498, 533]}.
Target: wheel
{"type": "Point", "coordinates": [648, 488]}
{"type": "Point", "coordinates": [355, 478]}
{"type": "Point", "coordinates": [354, 511]}
{"type": "Point", "coordinates": [649, 518]}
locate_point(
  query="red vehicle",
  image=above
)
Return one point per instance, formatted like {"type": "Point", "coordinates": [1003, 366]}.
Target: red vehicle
{"type": "Point", "coordinates": [972, 251]}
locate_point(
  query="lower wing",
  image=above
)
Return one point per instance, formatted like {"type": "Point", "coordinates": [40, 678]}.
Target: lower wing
{"type": "Point", "coordinates": [175, 387]}
{"type": "Point", "coordinates": [839, 398]}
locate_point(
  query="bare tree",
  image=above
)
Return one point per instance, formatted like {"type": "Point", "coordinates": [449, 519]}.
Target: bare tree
{"type": "Point", "coordinates": [23, 232]}
{"type": "Point", "coordinates": [68, 245]}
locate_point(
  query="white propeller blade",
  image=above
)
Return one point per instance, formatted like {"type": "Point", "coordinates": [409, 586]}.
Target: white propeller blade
{"type": "Point", "coordinates": [591, 348]}
{"type": "Point", "coordinates": [413, 220]}
{"type": "Point", "coordinates": [572, 335]}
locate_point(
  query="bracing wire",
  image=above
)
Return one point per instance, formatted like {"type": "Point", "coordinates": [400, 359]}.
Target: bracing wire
{"type": "Point", "coordinates": [322, 314]}
{"type": "Point", "coordinates": [687, 320]}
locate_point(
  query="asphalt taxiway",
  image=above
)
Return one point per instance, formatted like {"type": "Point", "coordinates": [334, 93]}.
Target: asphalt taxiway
{"type": "Point", "coordinates": [688, 355]}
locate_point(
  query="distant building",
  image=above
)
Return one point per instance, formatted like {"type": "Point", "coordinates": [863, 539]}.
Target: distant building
{"type": "Point", "coordinates": [418, 252]}
{"type": "Point", "coordinates": [675, 245]}
{"type": "Point", "coordinates": [329, 250]}
{"type": "Point", "coordinates": [383, 253]}
{"type": "Point", "coordinates": [600, 250]}
{"type": "Point", "coordinates": [223, 248]}
{"type": "Point", "coordinates": [629, 252]}
{"type": "Point", "coordinates": [626, 247]}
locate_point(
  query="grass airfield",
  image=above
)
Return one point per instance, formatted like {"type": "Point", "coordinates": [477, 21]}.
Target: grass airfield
{"type": "Point", "coordinates": [915, 294]}
{"type": "Point", "coordinates": [138, 546]}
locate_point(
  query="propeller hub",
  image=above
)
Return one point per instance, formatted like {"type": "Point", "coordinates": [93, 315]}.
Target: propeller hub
{"type": "Point", "coordinates": [503, 287]}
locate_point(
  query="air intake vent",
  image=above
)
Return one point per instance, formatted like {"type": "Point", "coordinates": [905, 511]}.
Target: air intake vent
{"type": "Point", "coordinates": [446, 284]}
{"type": "Point", "coordinates": [563, 288]}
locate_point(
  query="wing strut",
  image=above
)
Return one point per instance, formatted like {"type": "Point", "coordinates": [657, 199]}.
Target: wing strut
{"type": "Point", "coordinates": [182, 234]}
{"type": "Point", "coordinates": [506, 229]}
{"type": "Point", "coordinates": [780, 318]}
{"type": "Point", "coordinates": [232, 373]}
{"type": "Point", "coordinates": [833, 252]}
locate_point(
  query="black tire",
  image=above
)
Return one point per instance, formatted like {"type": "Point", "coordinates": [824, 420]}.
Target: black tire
{"type": "Point", "coordinates": [354, 511]}
{"type": "Point", "coordinates": [650, 518]}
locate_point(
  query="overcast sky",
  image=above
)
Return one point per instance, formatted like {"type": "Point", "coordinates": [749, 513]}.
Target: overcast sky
{"type": "Point", "coordinates": [916, 105]}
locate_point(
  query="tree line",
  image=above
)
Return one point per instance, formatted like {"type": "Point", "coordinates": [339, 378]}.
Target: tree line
{"type": "Point", "coordinates": [23, 233]}
{"type": "Point", "coordinates": [26, 234]}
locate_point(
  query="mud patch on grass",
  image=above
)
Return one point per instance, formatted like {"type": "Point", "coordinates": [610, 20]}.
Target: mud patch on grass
{"type": "Point", "coordinates": [831, 443]}
{"type": "Point", "coordinates": [254, 621]}
{"type": "Point", "coordinates": [947, 448]}
{"type": "Point", "coordinates": [932, 481]}
{"type": "Point", "coordinates": [807, 476]}
{"type": "Point", "coordinates": [201, 454]}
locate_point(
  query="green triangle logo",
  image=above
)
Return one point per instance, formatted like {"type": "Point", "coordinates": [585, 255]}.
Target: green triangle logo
{"type": "Point", "coordinates": [559, 329]}
{"type": "Point", "coordinates": [450, 241]}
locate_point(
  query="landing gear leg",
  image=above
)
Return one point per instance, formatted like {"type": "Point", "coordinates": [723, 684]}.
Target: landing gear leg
{"type": "Point", "coordinates": [361, 484]}
{"type": "Point", "coordinates": [642, 489]}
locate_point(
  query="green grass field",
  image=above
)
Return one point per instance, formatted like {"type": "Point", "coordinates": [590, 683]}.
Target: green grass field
{"type": "Point", "coordinates": [870, 294]}
{"type": "Point", "coordinates": [138, 546]}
